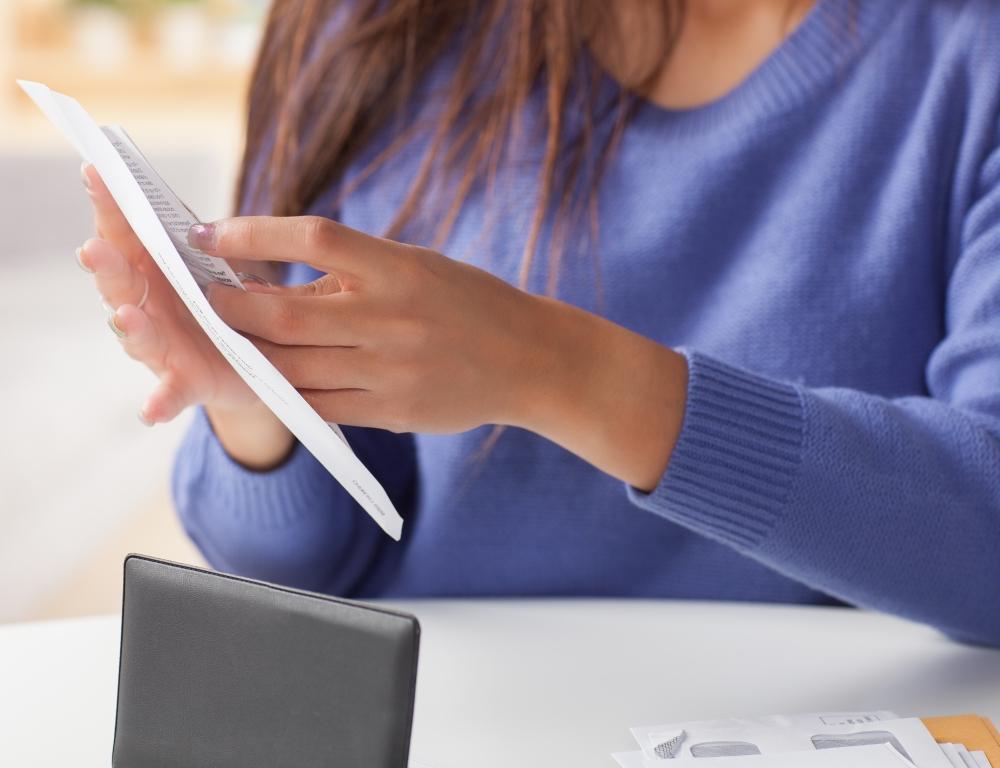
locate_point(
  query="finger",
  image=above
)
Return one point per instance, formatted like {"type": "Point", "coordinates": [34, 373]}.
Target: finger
{"type": "Point", "coordinates": [322, 286]}
{"type": "Point", "coordinates": [330, 321]}
{"type": "Point", "coordinates": [117, 280]}
{"type": "Point", "coordinates": [141, 340]}
{"type": "Point", "coordinates": [166, 402]}
{"type": "Point", "coordinates": [111, 224]}
{"type": "Point", "coordinates": [313, 240]}
{"type": "Point", "coordinates": [350, 407]}
{"type": "Point", "coordinates": [321, 367]}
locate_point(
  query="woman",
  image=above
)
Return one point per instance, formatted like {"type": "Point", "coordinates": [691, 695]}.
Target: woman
{"type": "Point", "coordinates": [726, 274]}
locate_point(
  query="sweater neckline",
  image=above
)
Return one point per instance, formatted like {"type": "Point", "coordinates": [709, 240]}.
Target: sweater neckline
{"type": "Point", "coordinates": [831, 37]}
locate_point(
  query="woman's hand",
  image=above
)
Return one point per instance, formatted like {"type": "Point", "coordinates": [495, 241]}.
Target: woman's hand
{"type": "Point", "coordinates": [402, 338]}
{"type": "Point", "coordinates": [165, 337]}
{"type": "Point", "coordinates": [394, 336]}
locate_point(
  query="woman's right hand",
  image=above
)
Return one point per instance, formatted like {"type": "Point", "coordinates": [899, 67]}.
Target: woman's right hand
{"type": "Point", "coordinates": [166, 338]}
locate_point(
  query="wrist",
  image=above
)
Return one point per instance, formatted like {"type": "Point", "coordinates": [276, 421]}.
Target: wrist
{"type": "Point", "coordinates": [611, 396]}
{"type": "Point", "coordinates": [539, 380]}
{"type": "Point", "coordinates": [251, 435]}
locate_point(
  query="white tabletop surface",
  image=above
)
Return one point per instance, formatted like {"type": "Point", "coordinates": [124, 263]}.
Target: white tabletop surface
{"type": "Point", "coordinates": [549, 683]}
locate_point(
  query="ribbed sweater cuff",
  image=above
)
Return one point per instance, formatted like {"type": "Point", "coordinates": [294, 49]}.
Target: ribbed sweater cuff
{"type": "Point", "coordinates": [738, 452]}
{"type": "Point", "coordinates": [210, 479]}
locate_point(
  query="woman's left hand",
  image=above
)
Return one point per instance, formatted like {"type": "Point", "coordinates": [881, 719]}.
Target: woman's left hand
{"type": "Point", "coordinates": [403, 338]}
{"type": "Point", "coordinates": [393, 336]}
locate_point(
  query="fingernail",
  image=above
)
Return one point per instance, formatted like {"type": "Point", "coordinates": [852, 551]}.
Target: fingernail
{"type": "Point", "coordinates": [113, 325]}
{"type": "Point", "coordinates": [144, 420]}
{"type": "Point", "coordinates": [202, 237]}
{"type": "Point", "coordinates": [83, 174]}
{"type": "Point", "coordinates": [80, 263]}
{"type": "Point", "coordinates": [253, 283]}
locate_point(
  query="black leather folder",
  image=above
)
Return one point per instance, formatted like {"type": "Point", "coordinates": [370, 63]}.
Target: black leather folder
{"type": "Point", "coordinates": [223, 671]}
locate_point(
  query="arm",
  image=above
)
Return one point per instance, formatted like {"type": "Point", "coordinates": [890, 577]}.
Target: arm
{"type": "Point", "coordinates": [888, 504]}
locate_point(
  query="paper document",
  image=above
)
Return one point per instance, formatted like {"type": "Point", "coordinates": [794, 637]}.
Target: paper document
{"type": "Point", "coordinates": [175, 217]}
{"type": "Point", "coordinates": [874, 756]}
{"type": "Point", "coordinates": [770, 736]}
{"type": "Point", "coordinates": [960, 757]}
{"type": "Point", "coordinates": [160, 220]}
{"type": "Point", "coordinates": [669, 740]}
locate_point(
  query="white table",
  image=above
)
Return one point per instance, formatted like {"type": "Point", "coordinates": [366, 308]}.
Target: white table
{"type": "Point", "coordinates": [548, 683]}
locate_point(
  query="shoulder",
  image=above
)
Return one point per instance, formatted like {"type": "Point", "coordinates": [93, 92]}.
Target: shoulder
{"type": "Point", "coordinates": [934, 27]}
{"type": "Point", "coordinates": [949, 51]}
{"type": "Point", "coordinates": [967, 28]}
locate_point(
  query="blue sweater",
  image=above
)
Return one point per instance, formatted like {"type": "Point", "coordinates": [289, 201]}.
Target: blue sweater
{"type": "Point", "coordinates": [823, 243]}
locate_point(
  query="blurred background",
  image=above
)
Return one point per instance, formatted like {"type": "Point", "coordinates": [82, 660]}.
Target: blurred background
{"type": "Point", "coordinates": [82, 481]}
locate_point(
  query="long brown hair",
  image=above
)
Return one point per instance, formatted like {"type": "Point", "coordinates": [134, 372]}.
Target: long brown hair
{"type": "Point", "coordinates": [332, 74]}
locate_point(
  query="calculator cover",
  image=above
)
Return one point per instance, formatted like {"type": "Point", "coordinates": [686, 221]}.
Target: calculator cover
{"type": "Point", "coordinates": [221, 671]}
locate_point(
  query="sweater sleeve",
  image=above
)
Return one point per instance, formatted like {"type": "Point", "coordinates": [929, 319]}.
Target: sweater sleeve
{"type": "Point", "coordinates": [294, 524]}
{"type": "Point", "coordinates": [890, 504]}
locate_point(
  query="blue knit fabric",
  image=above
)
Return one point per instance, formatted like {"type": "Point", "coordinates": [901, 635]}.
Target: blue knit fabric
{"type": "Point", "coordinates": [823, 244]}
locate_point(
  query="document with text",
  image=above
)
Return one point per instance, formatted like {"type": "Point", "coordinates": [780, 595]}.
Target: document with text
{"type": "Point", "coordinates": [161, 221]}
